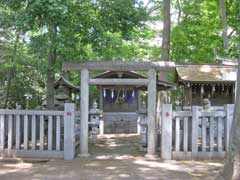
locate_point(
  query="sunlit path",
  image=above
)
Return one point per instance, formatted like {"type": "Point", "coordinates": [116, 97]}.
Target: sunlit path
{"type": "Point", "coordinates": [114, 157]}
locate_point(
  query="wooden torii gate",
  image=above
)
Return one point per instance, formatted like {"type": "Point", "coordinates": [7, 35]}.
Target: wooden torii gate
{"type": "Point", "coordinates": [151, 67]}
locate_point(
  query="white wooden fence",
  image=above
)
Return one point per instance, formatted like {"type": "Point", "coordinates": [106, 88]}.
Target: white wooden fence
{"type": "Point", "coordinates": [32, 133]}
{"type": "Point", "coordinates": [195, 133]}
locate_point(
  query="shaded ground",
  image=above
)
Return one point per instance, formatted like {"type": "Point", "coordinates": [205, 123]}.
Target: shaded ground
{"type": "Point", "coordinates": [114, 157]}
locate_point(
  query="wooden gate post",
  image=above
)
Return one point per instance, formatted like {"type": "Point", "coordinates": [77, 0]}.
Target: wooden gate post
{"type": "Point", "coordinates": [166, 138]}
{"type": "Point", "coordinates": [229, 109]}
{"type": "Point", "coordinates": [2, 132]}
{"type": "Point", "coordinates": [195, 123]}
{"type": "Point", "coordinates": [69, 131]}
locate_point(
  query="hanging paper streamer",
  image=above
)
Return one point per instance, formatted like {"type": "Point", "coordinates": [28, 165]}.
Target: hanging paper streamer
{"type": "Point", "coordinates": [133, 93]}
{"type": "Point", "coordinates": [104, 92]}
{"type": "Point", "coordinates": [108, 99]}
{"type": "Point", "coordinates": [202, 91]}
{"type": "Point", "coordinates": [129, 96]}
{"type": "Point", "coordinates": [120, 97]}
{"type": "Point", "coordinates": [213, 89]}
{"type": "Point", "coordinates": [112, 94]}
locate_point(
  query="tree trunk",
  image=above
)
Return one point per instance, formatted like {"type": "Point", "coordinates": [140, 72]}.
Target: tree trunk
{"type": "Point", "coordinates": [165, 45]}
{"type": "Point", "coordinates": [12, 70]}
{"type": "Point", "coordinates": [165, 52]}
{"type": "Point", "coordinates": [224, 24]}
{"type": "Point", "coordinates": [166, 30]}
{"type": "Point", "coordinates": [52, 55]}
{"type": "Point", "coordinates": [179, 11]}
{"type": "Point", "coordinates": [166, 34]}
{"type": "Point", "coordinates": [232, 163]}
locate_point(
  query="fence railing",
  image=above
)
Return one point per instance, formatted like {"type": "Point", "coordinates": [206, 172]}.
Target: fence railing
{"type": "Point", "coordinates": [195, 133]}
{"type": "Point", "coordinates": [33, 133]}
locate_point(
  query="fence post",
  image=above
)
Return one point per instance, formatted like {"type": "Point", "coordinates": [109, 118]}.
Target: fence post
{"type": "Point", "coordinates": [195, 122]}
{"type": "Point", "coordinates": [69, 131]}
{"type": "Point", "coordinates": [229, 108]}
{"type": "Point", "coordinates": [2, 132]}
{"type": "Point", "coordinates": [166, 138]}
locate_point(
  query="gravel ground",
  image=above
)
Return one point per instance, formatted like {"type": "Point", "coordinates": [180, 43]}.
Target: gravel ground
{"type": "Point", "coordinates": [114, 157]}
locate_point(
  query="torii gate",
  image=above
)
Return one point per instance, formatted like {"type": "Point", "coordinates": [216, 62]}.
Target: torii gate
{"type": "Point", "coordinates": [151, 67]}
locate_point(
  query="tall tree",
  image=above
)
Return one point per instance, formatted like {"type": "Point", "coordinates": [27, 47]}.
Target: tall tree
{"type": "Point", "coordinates": [224, 24]}
{"type": "Point", "coordinates": [52, 58]}
{"type": "Point", "coordinates": [59, 30]}
{"type": "Point", "coordinates": [232, 163]}
{"type": "Point", "coordinates": [12, 70]}
{"type": "Point", "coordinates": [165, 54]}
{"type": "Point", "coordinates": [38, 15]}
{"type": "Point", "coordinates": [166, 30]}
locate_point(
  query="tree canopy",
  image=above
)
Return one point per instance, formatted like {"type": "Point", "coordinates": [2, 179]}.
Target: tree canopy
{"type": "Point", "coordinates": [36, 36]}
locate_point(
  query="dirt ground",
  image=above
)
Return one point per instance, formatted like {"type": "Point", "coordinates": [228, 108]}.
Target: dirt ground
{"type": "Point", "coordinates": [114, 157]}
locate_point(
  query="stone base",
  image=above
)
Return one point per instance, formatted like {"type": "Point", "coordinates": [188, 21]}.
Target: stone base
{"type": "Point", "coordinates": [151, 156]}
{"type": "Point", "coordinates": [84, 155]}
{"type": "Point", "coordinates": [142, 149]}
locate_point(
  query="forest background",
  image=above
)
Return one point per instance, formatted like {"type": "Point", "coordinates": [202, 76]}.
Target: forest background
{"type": "Point", "coordinates": [37, 36]}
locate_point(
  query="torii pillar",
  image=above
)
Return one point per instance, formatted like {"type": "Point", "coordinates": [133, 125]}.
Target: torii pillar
{"type": "Point", "coordinates": [84, 106]}
{"type": "Point", "coordinates": [152, 129]}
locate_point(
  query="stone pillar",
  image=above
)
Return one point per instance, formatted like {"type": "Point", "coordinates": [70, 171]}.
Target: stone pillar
{"type": "Point", "coordinates": [69, 131]}
{"type": "Point", "coordinates": [195, 123]}
{"type": "Point", "coordinates": [139, 108]}
{"type": "Point", "coordinates": [84, 107]}
{"type": "Point", "coordinates": [101, 125]}
{"type": "Point", "coordinates": [152, 131]}
{"type": "Point", "coordinates": [229, 109]}
{"type": "Point", "coordinates": [101, 98]}
{"type": "Point", "coordinates": [166, 138]}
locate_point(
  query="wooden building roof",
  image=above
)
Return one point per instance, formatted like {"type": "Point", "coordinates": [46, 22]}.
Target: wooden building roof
{"type": "Point", "coordinates": [161, 85]}
{"type": "Point", "coordinates": [206, 73]}
{"type": "Point", "coordinates": [116, 74]}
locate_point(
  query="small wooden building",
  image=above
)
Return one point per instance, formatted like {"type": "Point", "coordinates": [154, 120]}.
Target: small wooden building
{"type": "Point", "coordinates": [213, 82]}
{"type": "Point", "coordinates": [120, 104]}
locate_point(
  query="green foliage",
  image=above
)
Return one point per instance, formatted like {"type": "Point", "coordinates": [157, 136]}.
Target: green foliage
{"type": "Point", "coordinates": [85, 29]}
{"type": "Point", "coordinates": [197, 34]}
{"type": "Point", "coordinates": [197, 37]}
{"type": "Point", "coordinates": [100, 30]}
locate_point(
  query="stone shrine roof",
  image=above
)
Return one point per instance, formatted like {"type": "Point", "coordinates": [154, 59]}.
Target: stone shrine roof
{"type": "Point", "coordinates": [65, 82]}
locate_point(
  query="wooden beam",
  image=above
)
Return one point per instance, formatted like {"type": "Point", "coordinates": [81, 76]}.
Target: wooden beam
{"type": "Point", "coordinates": [105, 81]}
{"type": "Point", "coordinates": [30, 112]}
{"type": "Point", "coordinates": [119, 65]}
{"type": "Point", "coordinates": [31, 153]}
